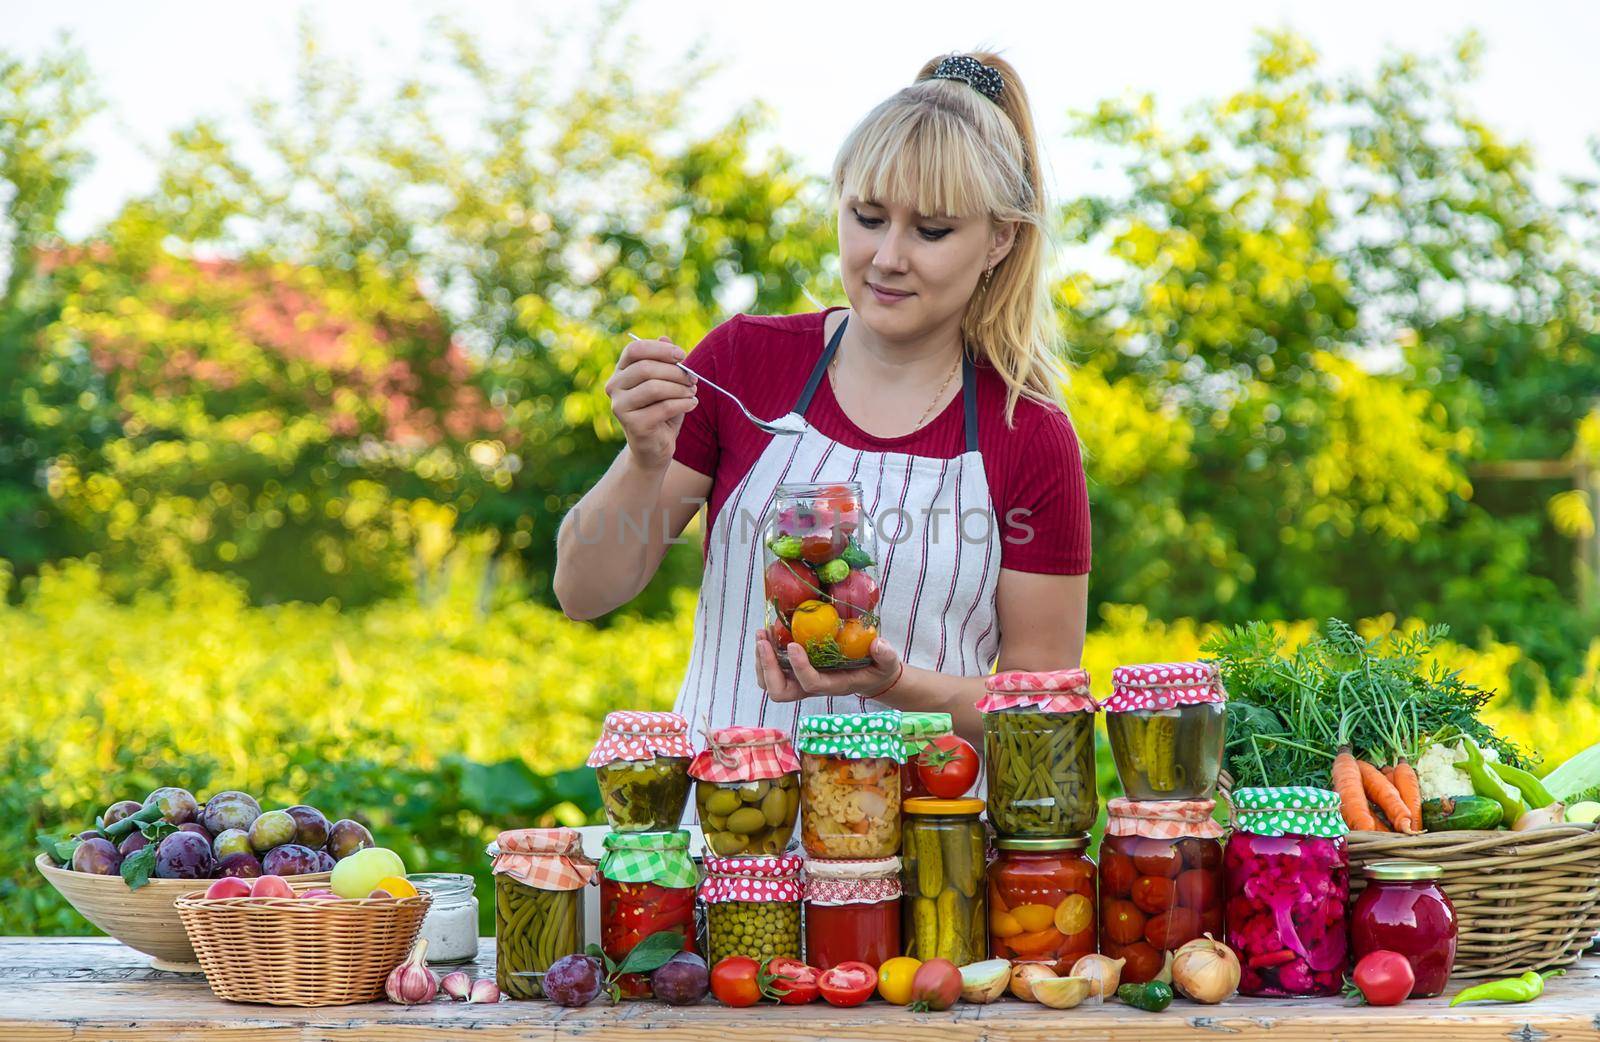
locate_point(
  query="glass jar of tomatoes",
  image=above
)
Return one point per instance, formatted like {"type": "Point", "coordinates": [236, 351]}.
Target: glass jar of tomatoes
{"type": "Point", "coordinates": [539, 880]}
{"type": "Point", "coordinates": [852, 911]}
{"type": "Point", "coordinates": [647, 885]}
{"type": "Point", "coordinates": [1038, 743]}
{"type": "Point", "coordinates": [1403, 910]}
{"type": "Point", "coordinates": [1287, 870]}
{"type": "Point", "coordinates": [642, 765]}
{"type": "Point", "coordinates": [850, 785]}
{"type": "Point", "coordinates": [920, 731]}
{"type": "Point", "coordinates": [1041, 899]}
{"type": "Point", "coordinates": [1160, 881]}
{"type": "Point", "coordinates": [752, 907]}
{"type": "Point", "coordinates": [943, 908]}
{"type": "Point", "coordinates": [747, 791]}
{"type": "Point", "coordinates": [821, 579]}
{"type": "Point", "coordinates": [1166, 722]}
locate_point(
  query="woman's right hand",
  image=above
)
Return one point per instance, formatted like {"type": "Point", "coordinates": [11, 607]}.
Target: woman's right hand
{"type": "Point", "coordinates": [649, 395]}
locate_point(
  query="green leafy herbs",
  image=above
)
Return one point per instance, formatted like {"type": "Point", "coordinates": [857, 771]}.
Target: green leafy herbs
{"type": "Point", "coordinates": [137, 866]}
{"type": "Point", "coordinates": [1288, 714]}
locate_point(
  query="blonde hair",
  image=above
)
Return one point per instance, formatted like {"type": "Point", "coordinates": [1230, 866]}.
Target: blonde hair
{"type": "Point", "coordinates": [941, 147]}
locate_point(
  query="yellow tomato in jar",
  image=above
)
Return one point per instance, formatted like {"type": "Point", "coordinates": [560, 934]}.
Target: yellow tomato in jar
{"type": "Point", "coordinates": [1003, 924]}
{"type": "Point", "coordinates": [813, 620]}
{"type": "Point", "coordinates": [1074, 914]}
{"type": "Point", "coordinates": [855, 639]}
{"type": "Point", "coordinates": [1034, 918]}
{"type": "Point", "coordinates": [894, 979]}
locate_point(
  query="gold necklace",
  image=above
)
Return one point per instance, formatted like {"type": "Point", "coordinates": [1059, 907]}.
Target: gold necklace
{"type": "Point", "coordinates": [834, 365]}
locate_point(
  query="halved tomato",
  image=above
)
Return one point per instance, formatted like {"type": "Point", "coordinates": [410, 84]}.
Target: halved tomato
{"type": "Point", "coordinates": [793, 980]}
{"type": "Point", "coordinates": [848, 983]}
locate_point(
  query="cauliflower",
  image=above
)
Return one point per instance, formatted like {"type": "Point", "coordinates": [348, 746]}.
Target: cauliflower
{"type": "Point", "coordinates": [1438, 774]}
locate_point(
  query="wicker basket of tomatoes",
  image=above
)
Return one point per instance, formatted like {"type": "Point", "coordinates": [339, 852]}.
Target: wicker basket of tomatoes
{"type": "Point", "coordinates": [821, 582]}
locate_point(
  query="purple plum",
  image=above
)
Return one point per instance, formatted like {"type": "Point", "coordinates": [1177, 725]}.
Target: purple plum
{"type": "Point", "coordinates": [325, 861]}
{"type": "Point", "coordinates": [272, 829]}
{"type": "Point", "coordinates": [290, 859]}
{"type": "Point", "coordinates": [682, 980]}
{"type": "Point", "coordinates": [119, 810]}
{"type": "Point", "coordinates": [311, 825]}
{"type": "Point", "coordinates": [185, 855]}
{"type": "Point", "coordinates": [231, 841]}
{"type": "Point", "coordinates": [178, 806]}
{"type": "Point", "coordinates": [97, 857]}
{"type": "Point", "coordinates": [132, 843]}
{"type": "Point", "coordinates": [244, 866]}
{"type": "Point", "coordinates": [231, 809]}
{"type": "Point", "coordinates": [572, 980]}
{"type": "Point", "coordinates": [346, 837]}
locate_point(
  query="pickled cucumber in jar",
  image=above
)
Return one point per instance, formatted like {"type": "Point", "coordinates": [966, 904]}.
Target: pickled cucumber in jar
{"type": "Point", "coordinates": [644, 795]}
{"type": "Point", "coordinates": [752, 817]}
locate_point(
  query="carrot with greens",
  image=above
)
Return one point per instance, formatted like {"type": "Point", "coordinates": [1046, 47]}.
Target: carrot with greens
{"type": "Point", "coordinates": [1410, 788]}
{"type": "Point", "coordinates": [1382, 792]}
{"type": "Point", "coordinates": [1352, 799]}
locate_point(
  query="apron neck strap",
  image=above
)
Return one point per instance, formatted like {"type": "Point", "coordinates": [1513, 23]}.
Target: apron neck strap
{"type": "Point", "coordinates": [969, 384]}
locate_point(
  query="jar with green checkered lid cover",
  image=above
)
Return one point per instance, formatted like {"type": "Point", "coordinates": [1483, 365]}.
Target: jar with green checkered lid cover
{"type": "Point", "coordinates": [850, 785]}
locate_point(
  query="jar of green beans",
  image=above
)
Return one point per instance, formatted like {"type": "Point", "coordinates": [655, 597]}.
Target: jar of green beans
{"type": "Point", "coordinates": [539, 880]}
{"type": "Point", "coordinates": [1038, 743]}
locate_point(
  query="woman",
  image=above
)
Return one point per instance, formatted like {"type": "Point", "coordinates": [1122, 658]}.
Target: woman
{"type": "Point", "coordinates": [938, 390]}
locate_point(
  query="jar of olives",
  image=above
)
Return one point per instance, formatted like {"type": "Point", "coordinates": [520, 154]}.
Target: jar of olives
{"type": "Point", "coordinates": [752, 907]}
{"type": "Point", "coordinates": [1167, 723]}
{"type": "Point", "coordinates": [642, 764]}
{"type": "Point", "coordinates": [539, 879]}
{"type": "Point", "coordinates": [747, 791]}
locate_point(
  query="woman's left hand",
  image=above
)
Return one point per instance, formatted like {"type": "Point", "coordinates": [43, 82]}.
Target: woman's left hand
{"type": "Point", "coordinates": [807, 682]}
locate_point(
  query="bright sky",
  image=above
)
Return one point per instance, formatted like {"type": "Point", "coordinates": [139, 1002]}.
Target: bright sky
{"type": "Point", "coordinates": [820, 64]}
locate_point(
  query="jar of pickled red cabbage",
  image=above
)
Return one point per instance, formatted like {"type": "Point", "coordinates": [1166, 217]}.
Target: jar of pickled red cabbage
{"type": "Point", "coordinates": [852, 911]}
{"type": "Point", "coordinates": [1288, 885]}
{"type": "Point", "coordinates": [850, 785]}
{"type": "Point", "coordinates": [647, 886]}
{"type": "Point", "coordinates": [1041, 899]}
{"type": "Point", "coordinates": [1038, 751]}
{"type": "Point", "coordinates": [1160, 881]}
{"type": "Point", "coordinates": [641, 763]}
{"type": "Point", "coordinates": [1166, 722]}
{"type": "Point", "coordinates": [1403, 910]}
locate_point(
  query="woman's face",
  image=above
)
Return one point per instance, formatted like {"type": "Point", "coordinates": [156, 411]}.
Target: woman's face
{"type": "Point", "coordinates": [906, 273]}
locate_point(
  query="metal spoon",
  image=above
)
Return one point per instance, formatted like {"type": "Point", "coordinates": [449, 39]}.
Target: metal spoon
{"type": "Point", "coordinates": [770, 426]}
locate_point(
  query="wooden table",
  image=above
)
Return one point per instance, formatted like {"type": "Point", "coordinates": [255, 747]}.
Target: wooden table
{"type": "Point", "coordinates": [93, 988]}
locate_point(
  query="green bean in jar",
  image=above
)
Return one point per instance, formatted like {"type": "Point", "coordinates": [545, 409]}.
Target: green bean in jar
{"type": "Point", "coordinates": [1041, 771]}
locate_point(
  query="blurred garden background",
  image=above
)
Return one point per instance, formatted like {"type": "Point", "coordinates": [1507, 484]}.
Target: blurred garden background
{"type": "Point", "coordinates": [285, 439]}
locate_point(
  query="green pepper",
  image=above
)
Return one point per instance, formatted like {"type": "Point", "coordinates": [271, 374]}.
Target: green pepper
{"type": "Point", "coordinates": [1487, 783]}
{"type": "Point", "coordinates": [1525, 988]}
{"type": "Point", "coordinates": [1152, 996]}
{"type": "Point", "coordinates": [1532, 788]}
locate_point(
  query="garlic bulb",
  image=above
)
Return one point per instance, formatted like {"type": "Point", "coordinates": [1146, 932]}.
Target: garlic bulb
{"type": "Point", "coordinates": [1205, 970]}
{"type": "Point", "coordinates": [1104, 974]}
{"type": "Point", "coordinates": [411, 983]}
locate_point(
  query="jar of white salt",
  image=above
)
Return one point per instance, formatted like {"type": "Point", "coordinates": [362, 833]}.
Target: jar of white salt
{"type": "Point", "coordinates": [451, 925]}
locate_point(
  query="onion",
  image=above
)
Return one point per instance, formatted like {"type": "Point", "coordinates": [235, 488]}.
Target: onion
{"type": "Point", "coordinates": [1205, 970]}
{"type": "Point", "coordinates": [1104, 974]}
{"type": "Point", "coordinates": [1555, 814]}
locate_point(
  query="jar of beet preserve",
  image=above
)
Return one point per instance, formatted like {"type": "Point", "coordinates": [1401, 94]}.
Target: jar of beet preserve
{"type": "Point", "coordinates": [1404, 910]}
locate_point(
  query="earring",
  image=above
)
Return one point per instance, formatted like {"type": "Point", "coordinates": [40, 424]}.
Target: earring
{"type": "Point", "coordinates": [988, 275]}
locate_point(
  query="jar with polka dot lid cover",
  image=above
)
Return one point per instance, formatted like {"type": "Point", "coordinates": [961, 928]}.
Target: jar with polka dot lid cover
{"type": "Point", "coordinates": [1287, 878]}
{"type": "Point", "coordinates": [850, 785]}
{"type": "Point", "coordinates": [1167, 722]}
{"type": "Point", "coordinates": [641, 762]}
{"type": "Point", "coordinates": [752, 907]}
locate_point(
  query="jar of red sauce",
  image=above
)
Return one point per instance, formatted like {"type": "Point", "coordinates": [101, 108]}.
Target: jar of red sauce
{"type": "Point", "coordinates": [852, 911]}
{"type": "Point", "coordinates": [1160, 881]}
{"type": "Point", "coordinates": [1403, 910]}
{"type": "Point", "coordinates": [1041, 899]}
{"type": "Point", "coordinates": [647, 885]}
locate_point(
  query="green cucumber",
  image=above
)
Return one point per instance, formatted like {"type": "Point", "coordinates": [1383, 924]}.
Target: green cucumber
{"type": "Point", "coordinates": [1460, 813]}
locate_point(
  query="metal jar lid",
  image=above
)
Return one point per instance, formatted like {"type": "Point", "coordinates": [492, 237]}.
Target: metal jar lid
{"type": "Point", "coordinates": [1402, 871]}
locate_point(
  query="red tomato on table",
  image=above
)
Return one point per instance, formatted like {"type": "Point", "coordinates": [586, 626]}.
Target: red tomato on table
{"type": "Point", "coordinates": [848, 984]}
{"type": "Point", "coordinates": [793, 980]}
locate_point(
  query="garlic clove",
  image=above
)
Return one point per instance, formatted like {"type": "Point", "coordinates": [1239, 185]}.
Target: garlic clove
{"type": "Point", "coordinates": [457, 985]}
{"type": "Point", "coordinates": [484, 991]}
{"type": "Point", "coordinates": [1104, 974]}
{"type": "Point", "coordinates": [411, 983]}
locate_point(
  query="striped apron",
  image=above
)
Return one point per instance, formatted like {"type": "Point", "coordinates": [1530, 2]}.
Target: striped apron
{"type": "Point", "coordinates": [938, 581]}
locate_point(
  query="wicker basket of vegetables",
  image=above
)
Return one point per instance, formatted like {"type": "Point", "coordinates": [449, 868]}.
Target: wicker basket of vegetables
{"type": "Point", "coordinates": [1422, 778]}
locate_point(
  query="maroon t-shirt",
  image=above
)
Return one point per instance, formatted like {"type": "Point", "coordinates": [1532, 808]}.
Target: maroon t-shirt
{"type": "Point", "coordinates": [1033, 467]}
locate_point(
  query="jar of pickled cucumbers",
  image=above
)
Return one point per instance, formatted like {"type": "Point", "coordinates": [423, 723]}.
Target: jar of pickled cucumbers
{"type": "Point", "coordinates": [943, 909]}
{"type": "Point", "coordinates": [747, 791]}
{"type": "Point", "coordinates": [752, 907]}
{"type": "Point", "coordinates": [642, 764]}
{"type": "Point", "coordinates": [852, 911]}
{"type": "Point", "coordinates": [1167, 722]}
{"type": "Point", "coordinates": [1038, 745]}
{"type": "Point", "coordinates": [539, 879]}
{"type": "Point", "coordinates": [647, 886]}
{"type": "Point", "coordinates": [850, 785]}
{"type": "Point", "coordinates": [920, 730]}
{"type": "Point", "coordinates": [1160, 881]}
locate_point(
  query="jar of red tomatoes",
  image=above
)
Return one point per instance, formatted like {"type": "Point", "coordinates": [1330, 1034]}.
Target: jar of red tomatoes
{"type": "Point", "coordinates": [1160, 881]}
{"type": "Point", "coordinates": [1041, 899]}
{"type": "Point", "coordinates": [1287, 870]}
{"type": "Point", "coordinates": [1166, 722]}
{"type": "Point", "coordinates": [821, 581]}
{"type": "Point", "coordinates": [852, 911]}
{"type": "Point", "coordinates": [1403, 910]}
{"type": "Point", "coordinates": [647, 885]}
{"type": "Point", "coordinates": [920, 731]}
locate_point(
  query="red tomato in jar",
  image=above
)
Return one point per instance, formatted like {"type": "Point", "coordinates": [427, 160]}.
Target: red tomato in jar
{"type": "Point", "coordinates": [835, 504]}
{"type": "Point", "coordinates": [1200, 853]}
{"type": "Point", "coordinates": [1173, 929]}
{"type": "Point", "coordinates": [1124, 923]}
{"type": "Point", "coordinates": [1197, 889]}
{"type": "Point", "coordinates": [823, 546]}
{"type": "Point", "coordinates": [947, 767]}
{"type": "Point", "coordinates": [1117, 874]}
{"type": "Point", "coordinates": [793, 980]}
{"type": "Point", "coordinates": [780, 635]}
{"type": "Point", "coordinates": [1158, 859]}
{"type": "Point", "coordinates": [854, 595]}
{"type": "Point", "coordinates": [1384, 977]}
{"type": "Point", "coordinates": [1144, 961]}
{"type": "Point", "coordinates": [1153, 894]}
{"type": "Point", "coordinates": [848, 983]}
{"type": "Point", "coordinates": [790, 584]}
{"type": "Point", "coordinates": [736, 981]}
